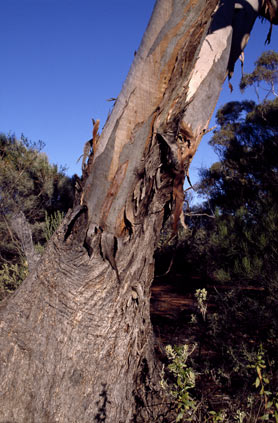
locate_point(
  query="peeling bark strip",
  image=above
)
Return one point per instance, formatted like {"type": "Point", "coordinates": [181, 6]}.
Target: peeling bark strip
{"type": "Point", "coordinates": [76, 342]}
{"type": "Point", "coordinates": [163, 95]}
{"type": "Point", "coordinates": [161, 65]}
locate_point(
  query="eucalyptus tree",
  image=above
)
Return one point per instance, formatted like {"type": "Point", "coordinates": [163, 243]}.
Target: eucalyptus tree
{"type": "Point", "coordinates": [76, 338]}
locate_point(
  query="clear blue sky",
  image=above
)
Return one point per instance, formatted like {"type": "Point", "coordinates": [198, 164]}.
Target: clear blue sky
{"type": "Point", "coordinates": [61, 60]}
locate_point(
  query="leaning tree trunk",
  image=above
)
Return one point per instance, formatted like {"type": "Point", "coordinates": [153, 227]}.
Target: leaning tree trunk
{"type": "Point", "coordinates": [76, 338]}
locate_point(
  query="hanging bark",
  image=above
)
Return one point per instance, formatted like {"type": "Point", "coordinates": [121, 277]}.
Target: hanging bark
{"type": "Point", "coordinates": [76, 338]}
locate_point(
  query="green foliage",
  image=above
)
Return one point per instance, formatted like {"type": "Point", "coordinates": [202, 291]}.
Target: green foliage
{"type": "Point", "coordinates": [11, 276]}
{"type": "Point", "coordinates": [51, 223]}
{"type": "Point", "coordinates": [269, 400]}
{"type": "Point", "coordinates": [183, 381]}
{"type": "Point", "coordinates": [201, 296]}
{"type": "Point", "coordinates": [244, 188]}
{"type": "Point", "coordinates": [264, 74]}
{"type": "Point", "coordinates": [29, 183]}
{"type": "Point", "coordinates": [179, 381]}
{"type": "Point", "coordinates": [217, 416]}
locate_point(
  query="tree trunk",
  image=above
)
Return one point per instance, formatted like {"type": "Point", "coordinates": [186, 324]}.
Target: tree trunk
{"type": "Point", "coordinates": [76, 338]}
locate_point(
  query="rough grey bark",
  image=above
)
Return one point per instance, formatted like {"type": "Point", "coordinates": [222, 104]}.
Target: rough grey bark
{"type": "Point", "coordinates": [76, 338]}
